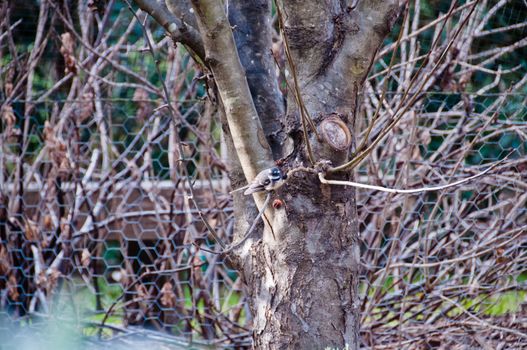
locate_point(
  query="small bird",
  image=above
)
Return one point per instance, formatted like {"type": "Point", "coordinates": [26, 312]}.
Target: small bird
{"type": "Point", "coordinates": [266, 180]}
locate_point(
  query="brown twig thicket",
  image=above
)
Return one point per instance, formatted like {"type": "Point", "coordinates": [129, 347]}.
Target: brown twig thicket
{"type": "Point", "coordinates": [108, 184]}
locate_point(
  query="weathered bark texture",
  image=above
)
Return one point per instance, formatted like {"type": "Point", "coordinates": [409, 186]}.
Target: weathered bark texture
{"type": "Point", "coordinates": [302, 268]}
{"type": "Point", "coordinates": [302, 275]}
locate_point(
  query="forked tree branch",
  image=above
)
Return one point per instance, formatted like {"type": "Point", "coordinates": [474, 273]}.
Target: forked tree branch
{"type": "Point", "coordinates": [179, 30]}
{"type": "Point", "coordinates": [182, 10]}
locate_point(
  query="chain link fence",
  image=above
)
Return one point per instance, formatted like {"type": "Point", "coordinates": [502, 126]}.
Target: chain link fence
{"type": "Point", "coordinates": [104, 193]}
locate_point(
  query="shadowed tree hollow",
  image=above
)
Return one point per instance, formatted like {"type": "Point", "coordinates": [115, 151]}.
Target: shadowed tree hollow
{"type": "Point", "coordinates": [301, 267]}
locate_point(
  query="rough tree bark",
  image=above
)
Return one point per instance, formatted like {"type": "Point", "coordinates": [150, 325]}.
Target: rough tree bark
{"type": "Point", "coordinates": [301, 269]}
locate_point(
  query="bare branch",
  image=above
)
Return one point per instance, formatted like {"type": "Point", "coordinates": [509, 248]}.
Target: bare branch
{"type": "Point", "coordinates": [221, 56]}
{"type": "Point", "coordinates": [182, 10]}
{"type": "Point", "coordinates": [253, 32]}
{"type": "Point", "coordinates": [405, 191]}
{"type": "Point", "coordinates": [178, 30]}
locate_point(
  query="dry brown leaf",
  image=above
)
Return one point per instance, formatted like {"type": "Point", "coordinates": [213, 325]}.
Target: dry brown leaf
{"type": "Point", "coordinates": [85, 106]}
{"type": "Point", "coordinates": [9, 117]}
{"type": "Point", "coordinates": [143, 105]}
{"type": "Point", "coordinates": [31, 231]}
{"type": "Point", "coordinates": [4, 261]}
{"type": "Point", "coordinates": [168, 298]}
{"type": "Point", "coordinates": [67, 51]}
{"type": "Point", "coordinates": [85, 258]}
{"type": "Point", "coordinates": [8, 88]}
{"type": "Point", "coordinates": [52, 278]}
{"type": "Point", "coordinates": [425, 137]}
{"type": "Point", "coordinates": [48, 223]}
{"type": "Point", "coordinates": [142, 292]}
{"type": "Point", "coordinates": [64, 165]}
{"type": "Point", "coordinates": [42, 280]}
{"type": "Point", "coordinates": [65, 229]}
{"type": "Point", "coordinates": [12, 289]}
{"type": "Point", "coordinates": [48, 132]}
{"type": "Point", "coordinates": [9, 77]}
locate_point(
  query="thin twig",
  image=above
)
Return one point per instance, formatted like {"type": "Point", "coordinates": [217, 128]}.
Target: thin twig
{"type": "Point", "coordinates": [400, 112]}
{"type": "Point", "coordinates": [166, 98]}
{"type": "Point", "coordinates": [304, 116]}
{"type": "Point", "coordinates": [322, 178]}
{"type": "Point", "coordinates": [385, 85]}
{"type": "Point", "coordinates": [250, 230]}
{"type": "Point", "coordinates": [247, 233]}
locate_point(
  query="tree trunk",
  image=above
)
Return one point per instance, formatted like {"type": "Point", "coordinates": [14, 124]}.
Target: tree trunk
{"type": "Point", "coordinates": [302, 274]}
{"type": "Point", "coordinates": [302, 266]}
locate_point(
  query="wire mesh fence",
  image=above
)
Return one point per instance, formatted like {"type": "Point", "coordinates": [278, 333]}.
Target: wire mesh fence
{"type": "Point", "coordinates": [104, 191]}
{"type": "Point", "coordinates": [443, 264]}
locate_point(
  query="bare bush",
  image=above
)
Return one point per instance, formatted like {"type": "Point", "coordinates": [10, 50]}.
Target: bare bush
{"type": "Point", "coordinates": [108, 194]}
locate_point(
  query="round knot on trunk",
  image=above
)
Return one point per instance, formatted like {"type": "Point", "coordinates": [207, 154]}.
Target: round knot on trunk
{"type": "Point", "coordinates": [336, 133]}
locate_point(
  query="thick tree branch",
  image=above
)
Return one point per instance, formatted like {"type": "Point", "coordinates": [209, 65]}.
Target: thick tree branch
{"type": "Point", "coordinates": [182, 9]}
{"type": "Point", "coordinates": [251, 20]}
{"type": "Point", "coordinates": [333, 45]}
{"type": "Point", "coordinates": [252, 30]}
{"type": "Point", "coordinates": [339, 41]}
{"type": "Point", "coordinates": [222, 58]}
{"type": "Point", "coordinates": [179, 31]}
